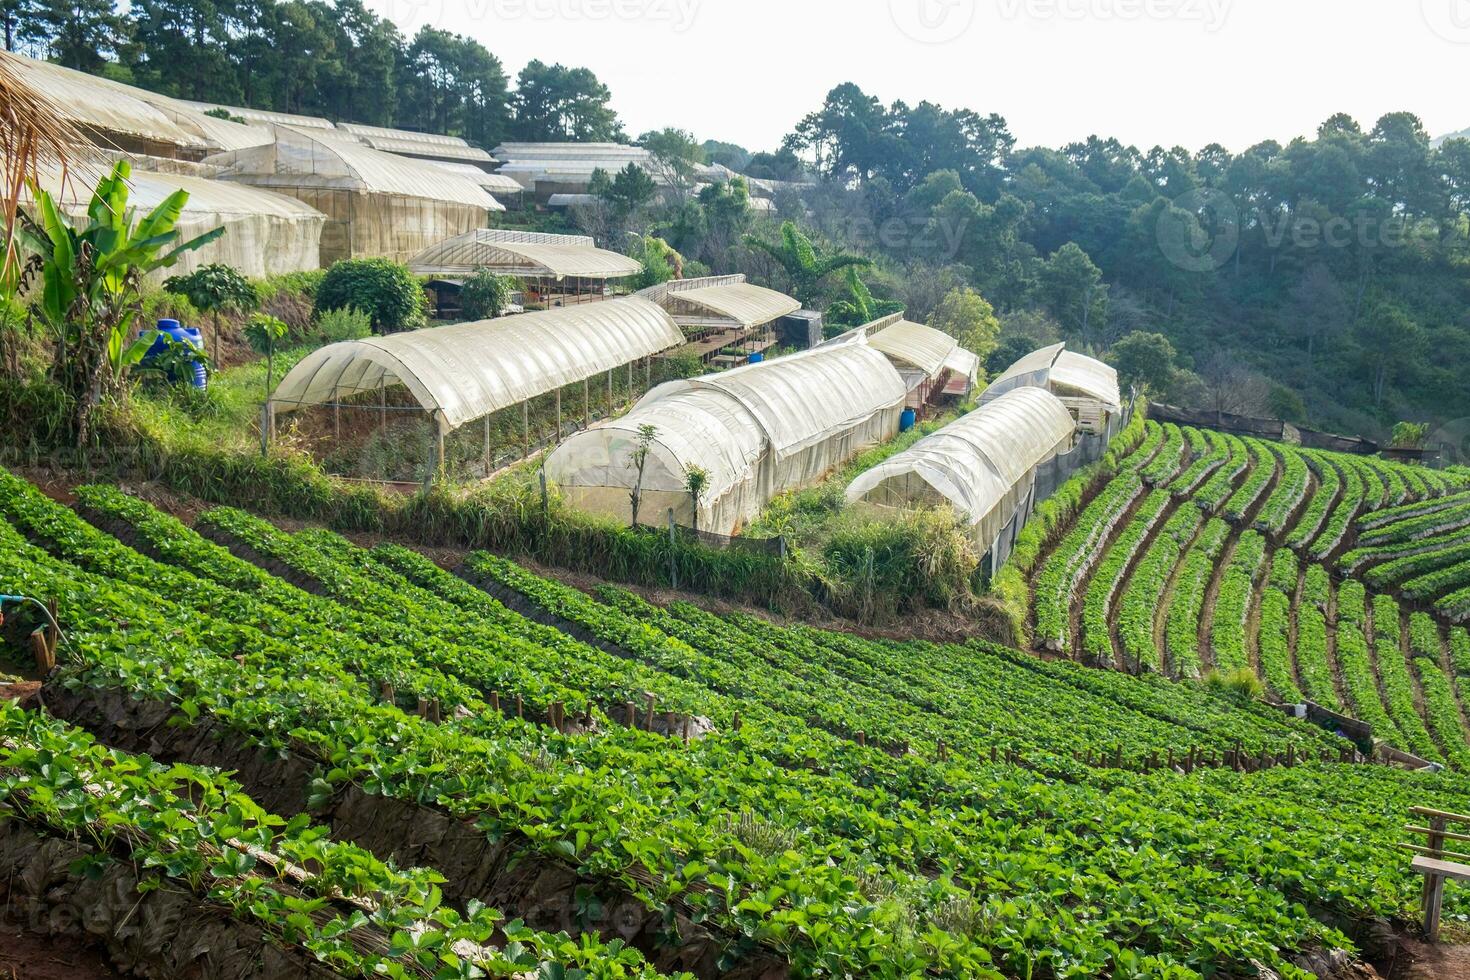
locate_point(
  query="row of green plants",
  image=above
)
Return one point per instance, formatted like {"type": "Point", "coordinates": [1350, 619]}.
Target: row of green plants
{"type": "Point", "coordinates": [1262, 470]}
{"type": "Point", "coordinates": [1169, 454]}
{"type": "Point", "coordinates": [1398, 684]}
{"type": "Point", "coordinates": [1319, 504]}
{"type": "Point", "coordinates": [1220, 486]}
{"type": "Point", "coordinates": [194, 829]}
{"type": "Point", "coordinates": [1419, 508]}
{"type": "Point", "coordinates": [1441, 706]}
{"type": "Point", "coordinates": [1274, 635]}
{"type": "Point", "coordinates": [1339, 521]}
{"type": "Point", "coordinates": [1144, 595]}
{"type": "Point", "coordinates": [1186, 605]}
{"type": "Point", "coordinates": [964, 799]}
{"type": "Point", "coordinates": [1286, 499]}
{"type": "Point", "coordinates": [1237, 593]}
{"type": "Point", "coordinates": [1097, 602]}
{"type": "Point", "coordinates": [1210, 451]}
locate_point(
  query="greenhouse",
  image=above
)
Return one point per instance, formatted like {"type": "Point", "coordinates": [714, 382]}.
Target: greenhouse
{"type": "Point", "coordinates": [265, 233]}
{"type": "Point", "coordinates": [725, 318]}
{"type": "Point", "coordinates": [376, 204]}
{"type": "Point", "coordinates": [553, 269]}
{"type": "Point", "coordinates": [756, 430]}
{"type": "Point", "coordinates": [423, 146]}
{"type": "Point", "coordinates": [983, 464]}
{"type": "Point", "coordinates": [1087, 386]}
{"type": "Point", "coordinates": [131, 120]}
{"type": "Point", "coordinates": [468, 371]}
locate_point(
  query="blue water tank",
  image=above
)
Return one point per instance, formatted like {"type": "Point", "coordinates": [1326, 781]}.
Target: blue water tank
{"type": "Point", "coordinates": [906, 420]}
{"type": "Point", "coordinates": [169, 330]}
{"type": "Point", "coordinates": [757, 357]}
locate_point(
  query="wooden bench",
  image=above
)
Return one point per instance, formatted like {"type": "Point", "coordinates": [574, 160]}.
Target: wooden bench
{"type": "Point", "coordinates": [1433, 861]}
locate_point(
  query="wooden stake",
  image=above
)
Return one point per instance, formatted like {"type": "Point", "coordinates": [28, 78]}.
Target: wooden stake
{"type": "Point", "coordinates": [388, 693]}
{"type": "Point", "coordinates": [736, 723]}
{"type": "Point", "coordinates": [45, 659]}
{"type": "Point", "coordinates": [862, 738]}
{"type": "Point", "coordinates": [423, 708]}
{"type": "Point", "coordinates": [436, 713]}
{"type": "Point", "coordinates": [520, 707]}
{"type": "Point", "coordinates": [652, 700]}
{"type": "Point", "coordinates": [632, 714]}
{"type": "Point", "coordinates": [495, 700]}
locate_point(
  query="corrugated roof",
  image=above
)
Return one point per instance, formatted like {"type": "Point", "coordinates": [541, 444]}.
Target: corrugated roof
{"type": "Point", "coordinates": [745, 303]}
{"type": "Point", "coordinates": [462, 372]}
{"type": "Point", "coordinates": [555, 256]}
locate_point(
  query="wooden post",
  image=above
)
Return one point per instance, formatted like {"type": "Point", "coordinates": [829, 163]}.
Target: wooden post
{"type": "Point", "coordinates": [557, 439]}
{"type": "Point", "coordinates": [632, 714]}
{"type": "Point", "coordinates": [526, 425]}
{"type": "Point", "coordinates": [487, 445]}
{"type": "Point", "coordinates": [609, 393]}
{"type": "Point", "coordinates": [545, 496]}
{"type": "Point", "coordinates": [651, 699]}
{"type": "Point", "coordinates": [686, 717]}
{"type": "Point", "coordinates": [389, 695]}
{"type": "Point", "coordinates": [495, 700]}
{"type": "Point", "coordinates": [520, 707]}
{"type": "Point", "coordinates": [673, 561]}
{"type": "Point", "coordinates": [1433, 884]}
{"type": "Point", "coordinates": [862, 738]}
{"type": "Point", "coordinates": [736, 723]}
{"type": "Point", "coordinates": [423, 708]}
{"type": "Point", "coordinates": [383, 411]}
{"type": "Point", "coordinates": [436, 712]}
{"type": "Point", "coordinates": [41, 650]}
{"type": "Point", "coordinates": [586, 404]}
{"type": "Point", "coordinates": [336, 419]}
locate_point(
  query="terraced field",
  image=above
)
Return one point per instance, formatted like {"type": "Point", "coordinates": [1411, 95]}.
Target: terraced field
{"type": "Point", "coordinates": [644, 791]}
{"type": "Point", "coordinates": [1192, 552]}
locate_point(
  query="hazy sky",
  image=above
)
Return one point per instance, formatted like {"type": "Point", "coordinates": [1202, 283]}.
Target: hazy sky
{"type": "Point", "coordinates": [1171, 72]}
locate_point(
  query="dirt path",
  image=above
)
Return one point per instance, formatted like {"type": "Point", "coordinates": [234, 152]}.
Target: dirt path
{"type": "Point", "coordinates": [1166, 600]}
{"type": "Point", "coordinates": [26, 955]}
{"type": "Point", "coordinates": [1292, 631]}
{"type": "Point", "coordinates": [1089, 571]}
{"type": "Point", "coordinates": [1332, 664]}
{"type": "Point", "coordinates": [1125, 581]}
{"type": "Point", "coordinates": [1419, 960]}
{"type": "Point", "coordinates": [1212, 596]}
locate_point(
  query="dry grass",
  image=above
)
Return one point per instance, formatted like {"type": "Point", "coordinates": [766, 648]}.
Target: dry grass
{"type": "Point", "coordinates": [34, 134]}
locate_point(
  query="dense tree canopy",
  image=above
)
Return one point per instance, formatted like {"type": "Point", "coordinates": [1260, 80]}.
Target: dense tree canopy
{"type": "Point", "coordinates": [334, 58]}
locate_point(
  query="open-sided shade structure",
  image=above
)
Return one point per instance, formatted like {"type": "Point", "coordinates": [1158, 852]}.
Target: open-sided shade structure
{"type": "Point", "coordinates": [913, 343]}
{"type": "Point", "coordinates": [1087, 386]}
{"type": "Point", "coordinates": [522, 253]}
{"type": "Point", "coordinates": [982, 464]}
{"type": "Point", "coordinates": [466, 371]}
{"type": "Point", "coordinates": [757, 430]}
{"type": "Point", "coordinates": [744, 303]}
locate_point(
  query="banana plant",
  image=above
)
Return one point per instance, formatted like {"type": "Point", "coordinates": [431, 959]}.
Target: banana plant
{"type": "Point", "coordinates": [91, 274]}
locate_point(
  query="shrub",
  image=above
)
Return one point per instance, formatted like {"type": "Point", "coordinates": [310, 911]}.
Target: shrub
{"type": "Point", "coordinates": [386, 291]}
{"type": "Point", "coordinates": [344, 324]}
{"type": "Point", "coordinates": [297, 283]}
{"type": "Point", "coordinates": [1241, 682]}
{"type": "Point", "coordinates": [484, 295]}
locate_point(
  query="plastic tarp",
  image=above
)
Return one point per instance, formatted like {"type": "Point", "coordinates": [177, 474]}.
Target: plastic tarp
{"type": "Point", "coordinates": [913, 343]}
{"type": "Point", "coordinates": [1034, 370]}
{"type": "Point", "coordinates": [1087, 376]}
{"type": "Point", "coordinates": [301, 157]}
{"type": "Point", "coordinates": [110, 107]}
{"type": "Point", "coordinates": [522, 253]}
{"type": "Point", "coordinates": [746, 303]}
{"type": "Point", "coordinates": [462, 372]}
{"type": "Point", "coordinates": [759, 430]}
{"type": "Point", "coordinates": [983, 464]}
{"type": "Point", "coordinates": [963, 363]}
{"type": "Point", "coordinates": [265, 233]}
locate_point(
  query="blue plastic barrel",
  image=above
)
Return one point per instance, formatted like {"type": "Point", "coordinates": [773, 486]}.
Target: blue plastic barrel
{"type": "Point", "coordinates": [757, 357]}
{"type": "Point", "coordinates": [169, 330]}
{"type": "Point", "coordinates": [906, 420]}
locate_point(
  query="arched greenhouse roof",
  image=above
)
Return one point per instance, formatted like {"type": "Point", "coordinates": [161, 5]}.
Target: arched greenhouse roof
{"type": "Point", "coordinates": [798, 400]}
{"type": "Point", "coordinates": [913, 343]}
{"type": "Point", "coordinates": [746, 303]}
{"type": "Point", "coordinates": [1056, 367]}
{"type": "Point", "coordinates": [977, 460]}
{"type": "Point", "coordinates": [522, 253]}
{"type": "Point", "coordinates": [462, 372]}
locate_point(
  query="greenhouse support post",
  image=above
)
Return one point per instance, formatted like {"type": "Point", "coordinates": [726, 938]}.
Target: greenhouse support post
{"type": "Point", "coordinates": [673, 561]}
{"type": "Point", "coordinates": [545, 497]}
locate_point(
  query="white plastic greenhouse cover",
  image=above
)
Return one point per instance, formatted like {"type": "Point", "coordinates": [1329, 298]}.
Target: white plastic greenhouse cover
{"type": "Point", "coordinates": [313, 158]}
{"type": "Point", "coordinates": [799, 399]}
{"type": "Point", "coordinates": [758, 430]}
{"type": "Point", "coordinates": [923, 347]}
{"type": "Point", "coordinates": [1088, 375]}
{"type": "Point", "coordinates": [1033, 369]}
{"type": "Point", "coordinates": [964, 363]}
{"type": "Point", "coordinates": [267, 116]}
{"type": "Point", "coordinates": [744, 302]}
{"type": "Point", "coordinates": [103, 104]}
{"type": "Point", "coordinates": [462, 372]}
{"type": "Point", "coordinates": [979, 463]}
{"type": "Point", "coordinates": [494, 183]}
{"type": "Point", "coordinates": [555, 256]}
{"type": "Point", "coordinates": [265, 233]}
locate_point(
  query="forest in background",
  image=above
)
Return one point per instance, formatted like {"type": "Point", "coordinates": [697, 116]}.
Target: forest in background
{"type": "Point", "coordinates": [1324, 281]}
